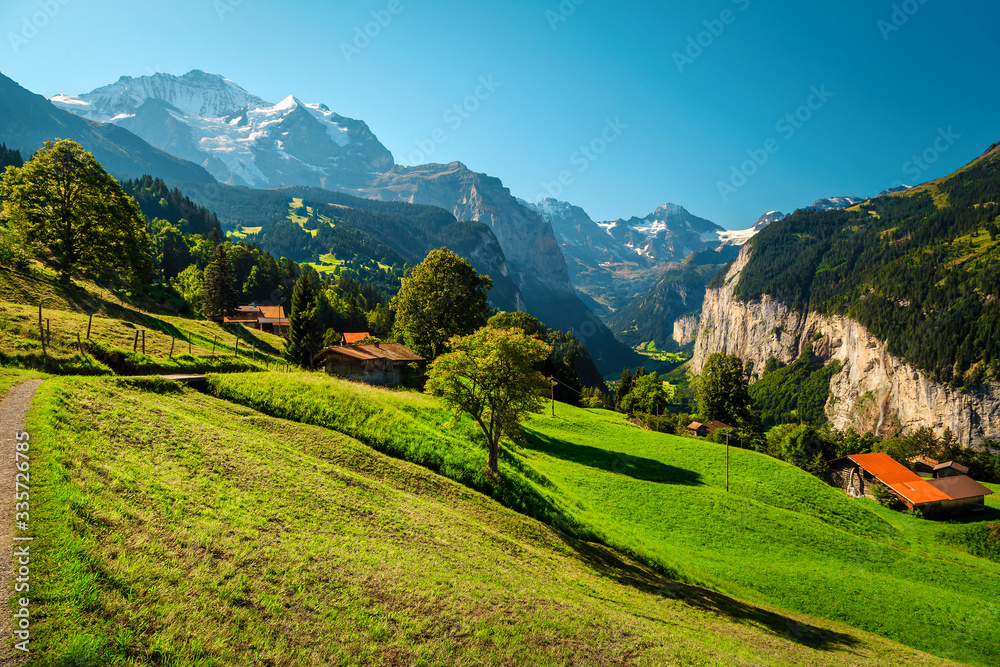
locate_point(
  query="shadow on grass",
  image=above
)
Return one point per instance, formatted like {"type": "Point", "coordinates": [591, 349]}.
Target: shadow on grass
{"type": "Point", "coordinates": [620, 463]}
{"type": "Point", "coordinates": [608, 563]}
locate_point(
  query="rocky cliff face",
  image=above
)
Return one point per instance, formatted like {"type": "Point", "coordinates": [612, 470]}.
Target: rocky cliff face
{"type": "Point", "coordinates": [532, 251]}
{"type": "Point", "coordinates": [873, 390]}
{"type": "Point", "coordinates": [685, 330]}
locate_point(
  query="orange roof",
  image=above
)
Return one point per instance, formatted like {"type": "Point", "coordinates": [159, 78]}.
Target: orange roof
{"type": "Point", "coordinates": [904, 482]}
{"type": "Point", "coordinates": [275, 312]}
{"type": "Point", "coordinates": [355, 337]}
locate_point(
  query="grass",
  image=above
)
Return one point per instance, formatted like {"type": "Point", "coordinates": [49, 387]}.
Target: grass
{"type": "Point", "coordinates": [780, 536]}
{"type": "Point", "coordinates": [66, 313]}
{"type": "Point", "coordinates": [178, 529]}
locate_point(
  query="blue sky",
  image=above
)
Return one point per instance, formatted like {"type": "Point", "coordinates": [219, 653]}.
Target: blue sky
{"type": "Point", "coordinates": [730, 108]}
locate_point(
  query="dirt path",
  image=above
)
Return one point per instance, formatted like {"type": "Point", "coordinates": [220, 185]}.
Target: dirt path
{"type": "Point", "coordinates": [12, 413]}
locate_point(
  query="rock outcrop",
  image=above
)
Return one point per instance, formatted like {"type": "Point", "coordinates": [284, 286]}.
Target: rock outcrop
{"type": "Point", "coordinates": [874, 391]}
{"type": "Point", "coordinates": [685, 330]}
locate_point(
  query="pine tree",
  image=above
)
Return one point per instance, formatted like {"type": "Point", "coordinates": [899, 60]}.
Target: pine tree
{"type": "Point", "coordinates": [624, 387]}
{"type": "Point", "coordinates": [219, 287]}
{"type": "Point", "coordinates": [305, 330]}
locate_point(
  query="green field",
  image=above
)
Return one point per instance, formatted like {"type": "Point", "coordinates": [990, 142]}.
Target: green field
{"type": "Point", "coordinates": [780, 536]}
{"type": "Point", "coordinates": [174, 528]}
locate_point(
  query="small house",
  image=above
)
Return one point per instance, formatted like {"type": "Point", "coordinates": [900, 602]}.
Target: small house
{"type": "Point", "coordinates": [949, 469]}
{"type": "Point", "coordinates": [858, 474]}
{"type": "Point", "coordinates": [270, 319]}
{"type": "Point", "coordinates": [965, 493]}
{"type": "Point", "coordinates": [923, 465]}
{"type": "Point", "coordinates": [381, 363]}
{"type": "Point", "coordinates": [698, 429]}
{"type": "Point", "coordinates": [706, 429]}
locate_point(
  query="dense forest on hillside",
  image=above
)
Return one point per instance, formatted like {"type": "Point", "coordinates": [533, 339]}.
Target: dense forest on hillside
{"type": "Point", "coordinates": [920, 269]}
{"type": "Point", "coordinates": [9, 157]}
{"type": "Point", "coordinates": [156, 200]}
{"type": "Point", "coordinates": [304, 224]}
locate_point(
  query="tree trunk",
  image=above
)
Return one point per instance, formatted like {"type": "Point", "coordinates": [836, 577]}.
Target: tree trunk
{"type": "Point", "coordinates": [494, 463]}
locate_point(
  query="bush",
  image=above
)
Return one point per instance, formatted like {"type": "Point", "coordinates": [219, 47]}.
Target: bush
{"type": "Point", "coordinates": [886, 497]}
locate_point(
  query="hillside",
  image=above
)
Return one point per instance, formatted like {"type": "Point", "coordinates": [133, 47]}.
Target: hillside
{"type": "Point", "coordinates": [900, 290]}
{"type": "Point", "coordinates": [172, 344]}
{"type": "Point", "coordinates": [920, 269]}
{"type": "Point", "coordinates": [181, 529]}
{"type": "Point", "coordinates": [675, 292]}
{"type": "Point", "coordinates": [779, 537]}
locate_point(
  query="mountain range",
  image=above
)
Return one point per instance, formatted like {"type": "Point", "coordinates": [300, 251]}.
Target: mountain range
{"type": "Point", "coordinates": [222, 130]}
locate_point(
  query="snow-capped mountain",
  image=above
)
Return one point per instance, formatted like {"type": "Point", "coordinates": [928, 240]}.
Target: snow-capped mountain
{"type": "Point", "coordinates": [238, 137]}
{"type": "Point", "coordinates": [835, 203]}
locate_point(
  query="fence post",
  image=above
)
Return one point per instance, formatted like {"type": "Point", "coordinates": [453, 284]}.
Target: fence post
{"type": "Point", "coordinates": [48, 331]}
{"type": "Point", "coordinates": [144, 342]}
{"type": "Point", "coordinates": [135, 343]}
{"type": "Point", "coordinates": [41, 330]}
{"type": "Point", "coordinates": [172, 341]}
{"type": "Point", "coordinates": [214, 338]}
{"type": "Point", "coordinates": [236, 350]}
{"type": "Point", "coordinates": [90, 321]}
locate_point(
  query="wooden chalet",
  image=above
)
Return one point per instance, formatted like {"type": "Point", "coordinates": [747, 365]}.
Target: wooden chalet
{"type": "Point", "coordinates": [858, 474]}
{"type": "Point", "coordinates": [270, 319]}
{"type": "Point", "coordinates": [702, 430]}
{"type": "Point", "coordinates": [381, 363]}
{"type": "Point", "coordinates": [923, 465]}
{"type": "Point", "coordinates": [949, 469]}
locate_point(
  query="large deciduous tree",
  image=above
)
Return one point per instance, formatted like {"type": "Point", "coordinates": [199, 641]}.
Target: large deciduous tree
{"type": "Point", "coordinates": [725, 394]}
{"type": "Point", "coordinates": [67, 206]}
{"type": "Point", "coordinates": [442, 297]}
{"type": "Point", "coordinates": [491, 376]}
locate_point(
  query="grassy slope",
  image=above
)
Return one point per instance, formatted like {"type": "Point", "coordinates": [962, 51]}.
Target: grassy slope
{"type": "Point", "coordinates": [113, 330]}
{"type": "Point", "coordinates": [180, 529]}
{"type": "Point", "coordinates": [780, 536]}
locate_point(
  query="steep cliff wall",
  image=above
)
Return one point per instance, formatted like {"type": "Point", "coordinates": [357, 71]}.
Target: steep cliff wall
{"type": "Point", "coordinates": [873, 391]}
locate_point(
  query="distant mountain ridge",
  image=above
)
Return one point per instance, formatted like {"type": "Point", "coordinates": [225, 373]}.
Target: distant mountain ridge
{"type": "Point", "coordinates": [240, 138]}
{"type": "Point", "coordinates": [27, 120]}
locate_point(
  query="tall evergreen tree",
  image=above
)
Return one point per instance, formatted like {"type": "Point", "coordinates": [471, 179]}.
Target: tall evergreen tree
{"type": "Point", "coordinates": [219, 287]}
{"type": "Point", "coordinates": [305, 330]}
{"type": "Point", "coordinates": [625, 385]}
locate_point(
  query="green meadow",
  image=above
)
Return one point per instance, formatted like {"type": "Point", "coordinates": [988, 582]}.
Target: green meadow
{"type": "Point", "coordinates": [176, 528]}
{"type": "Point", "coordinates": [779, 536]}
